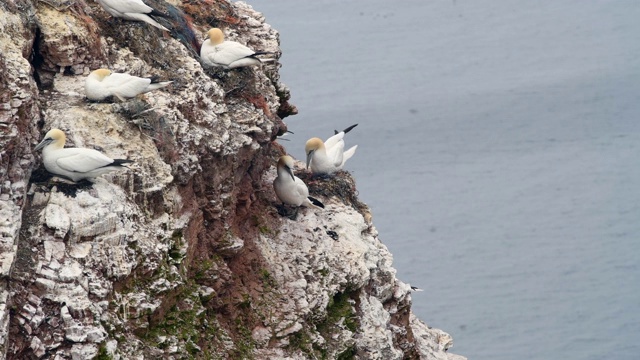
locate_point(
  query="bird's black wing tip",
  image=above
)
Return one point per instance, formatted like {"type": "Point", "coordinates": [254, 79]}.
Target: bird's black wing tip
{"type": "Point", "coordinates": [349, 128]}
{"type": "Point", "coordinates": [316, 202]}
{"type": "Point", "coordinates": [120, 162]}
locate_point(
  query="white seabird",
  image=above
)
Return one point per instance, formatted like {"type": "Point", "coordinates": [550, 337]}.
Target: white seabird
{"type": "Point", "coordinates": [215, 51]}
{"type": "Point", "coordinates": [329, 156]}
{"type": "Point", "coordinates": [289, 188]}
{"type": "Point", "coordinates": [134, 10]}
{"type": "Point", "coordinates": [75, 163]}
{"type": "Point", "coordinates": [102, 83]}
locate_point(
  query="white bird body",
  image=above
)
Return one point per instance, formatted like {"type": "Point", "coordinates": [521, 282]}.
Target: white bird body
{"type": "Point", "coordinates": [75, 163]}
{"type": "Point", "coordinates": [102, 83]}
{"type": "Point", "coordinates": [329, 156]}
{"type": "Point", "coordinates": [134, 10]}
{"type": "Point", "coordinates": [289, 188]}
{"type": "Point", "coordinates": [215, 51]}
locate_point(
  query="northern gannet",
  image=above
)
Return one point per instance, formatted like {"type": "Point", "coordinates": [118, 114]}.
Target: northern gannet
{"type": "Point", "coordinates": [102, 83]}
{"type": "Point", "coordinates": [134, 10]}
{"type": "Point", "coordinates": [329, 156]}
{"type": "Point", "coordinates": [215, 51]}
{"type": "Point", "coordinates": [289, 188]}
{"type": "Point", "coordinates": [75, 163]}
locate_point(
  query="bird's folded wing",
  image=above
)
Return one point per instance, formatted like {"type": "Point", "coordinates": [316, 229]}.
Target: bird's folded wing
{"type": "Point", "coordinates": [83, 160]}
{"type": "Point", "coordinates": [301, 188]}
{"type": "Point", "coordinates": [229, 52]}
{"type": "Point", "coordinates": [129, 6]}
{"type": "Point", "coordinates": [126, 85]}
{"type": "Point", "coordinates": [335, 153]}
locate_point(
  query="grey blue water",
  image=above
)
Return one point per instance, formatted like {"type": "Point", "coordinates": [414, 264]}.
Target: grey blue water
{"type": "Point", "coordinates": [499, 149]}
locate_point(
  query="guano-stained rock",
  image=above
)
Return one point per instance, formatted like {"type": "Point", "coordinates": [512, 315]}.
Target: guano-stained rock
{"type": "Point", "coordinates": [184, 255]}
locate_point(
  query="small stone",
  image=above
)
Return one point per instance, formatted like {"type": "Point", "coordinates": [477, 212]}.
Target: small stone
{"type": "Point", "coordinates": [66, 316]}
{"type": "Point", "coordinates": [70, 272]}
{"type": "Point", "coordinates": [28, 311]}
{"type": "Point", "coordinates": [53, 249]}
{"type": "Point", "coordinates": [45, 284]}
{"type": "Point", "coordinates": [80, 251]}
{"type": "Point", "coordinates": [96, 335]}
{"type": "Point", "coordinates": [37, 346]}
{"type": "Point", "coordinates": [83, 351]}
{"type": "Point", "coordinates": [49, 274]}
{"type": "Point", "coordinates": [54, 322]}
{"type": "Point", "coordinates": [75, 333]}
{"type": "Point", "coordinates": [34, 299]}
{"type": "Point", "coordinates": [261, 335]}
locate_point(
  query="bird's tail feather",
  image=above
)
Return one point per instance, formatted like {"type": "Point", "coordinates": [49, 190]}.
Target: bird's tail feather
{"type": "Point", "coordinates": [120, 162]}
{"type": "Point", "coordinates": [315, 202]}
{"type": "Point", "coordinates": [148, 20]}
{"type": "Point", "coordinates": [349, 153]}
{"type": "Point", "coordinates": [158, 85]}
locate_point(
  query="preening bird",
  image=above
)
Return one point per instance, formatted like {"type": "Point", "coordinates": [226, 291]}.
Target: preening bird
{"type": "Point", "coordinates": [75, 163]}
{"type": "Point", "coordinates": [329, 156]}
{"type": "Point", "coordinates": [102, 83]}
{"type": "Point", "coordinates": [289, 188]}
{"type": "Point", "coordinates": [215, 51]}
{"type": "Point", "coordinates": [134, 10]}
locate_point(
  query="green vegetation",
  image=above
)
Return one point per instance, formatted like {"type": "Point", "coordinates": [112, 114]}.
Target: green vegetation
{"type": "Point", "coordinates": [102, 353]}
{"type": "Point", "coordinates": [339, 307]}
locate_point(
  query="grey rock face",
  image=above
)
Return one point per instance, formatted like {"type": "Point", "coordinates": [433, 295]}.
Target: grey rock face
{"type": "Point", "coordinates": [183, 255]}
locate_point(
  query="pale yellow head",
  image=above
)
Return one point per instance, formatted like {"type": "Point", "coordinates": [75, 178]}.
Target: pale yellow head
{"type": "Point", "coordinates": [286, 163]}
{"type": "Point", "coordinates": [216, 36]}
{"type": "Point", "coordinates": [312, 146]}
{"type": "Point", "coordinates": [100, 74]}
{"type": "Point", "coordinates": [54, 138]}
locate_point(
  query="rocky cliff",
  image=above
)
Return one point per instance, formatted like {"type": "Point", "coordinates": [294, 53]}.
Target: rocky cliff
{"type": "Point", "coordinates": [184, 255]}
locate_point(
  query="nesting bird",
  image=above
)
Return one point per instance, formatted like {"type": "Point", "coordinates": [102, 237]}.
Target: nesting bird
{"type": "Point", "coordinates": [134, 10]}
{"type": "Point", "coordinates": [102, 83]}
{"type": "Point", "coordinates": [215, 51]}
{"type": "Point", "coordinates": [75, 163]}
{"type": "Point", "coordinates": [289, 188]}
{"type": "Point", "coordinates": [329, 156]}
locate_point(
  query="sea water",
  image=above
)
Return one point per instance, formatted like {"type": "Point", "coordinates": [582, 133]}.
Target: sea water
{"type": "Point", "coordinates": [499, 150]}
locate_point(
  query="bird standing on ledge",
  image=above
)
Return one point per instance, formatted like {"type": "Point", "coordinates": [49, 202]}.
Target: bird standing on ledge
{"type": "Point", "coordinates": [75, 163]}
{"type": "Point", "coordinates": [289, 188]}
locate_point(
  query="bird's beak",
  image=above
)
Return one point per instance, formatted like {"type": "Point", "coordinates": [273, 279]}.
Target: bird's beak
{"type": "Point", "coordinates": [291, 173]}
{"type": "Point", "coordinates": [42, 144]}
{"type": "Point", "coordinates": [309, 155]}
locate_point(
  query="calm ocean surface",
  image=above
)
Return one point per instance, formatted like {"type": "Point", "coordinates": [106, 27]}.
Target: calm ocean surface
{"type": "Point", "coordinates": [499, 149]}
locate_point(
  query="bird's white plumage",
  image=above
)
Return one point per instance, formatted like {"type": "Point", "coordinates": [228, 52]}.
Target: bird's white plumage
{"type": "Point", "coordinates": [134, 10]}
{"type": "Point", "coordinates": [329, 156]}
{"type": "Point", "coordinates": [73, 163]}
{"type": "Point", "coordinates": [289, 188]}
{"type": "Point", "coordinates": [216, 51]}
{"type": "Point", "coordinates": [80, 160]}
{"type": "Point", "coordinates": [102, 83]}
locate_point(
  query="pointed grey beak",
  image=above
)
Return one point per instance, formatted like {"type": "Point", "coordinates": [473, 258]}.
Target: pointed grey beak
{"type": "Point", "coordinates": [309, 155]}
{"type": "Point", "coordinates": [291, 173]}
{"type": "Point", "coordinates": [42, 144]}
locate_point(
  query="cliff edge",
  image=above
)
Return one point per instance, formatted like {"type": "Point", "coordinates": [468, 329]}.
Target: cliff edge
{"type": "Point", "coordinates": [184, 255]}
